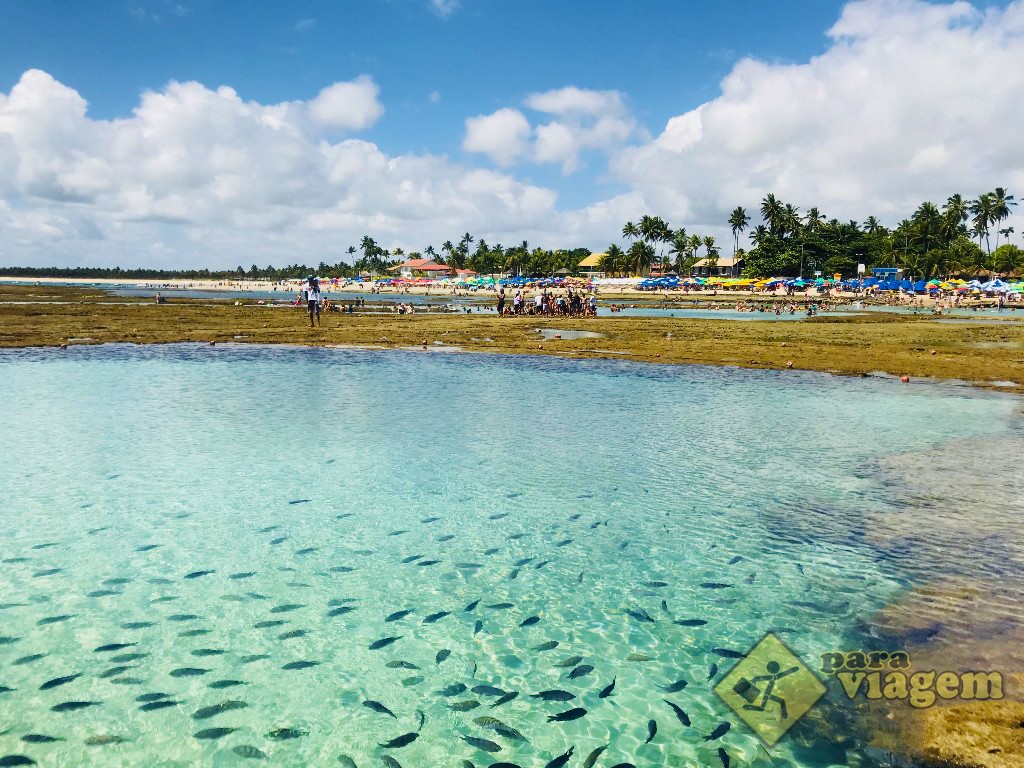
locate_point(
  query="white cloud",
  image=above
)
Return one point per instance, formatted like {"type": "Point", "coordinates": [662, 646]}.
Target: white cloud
{"type": "Point", "coordinates": [577, 101]}
{"type": "Point", "coordinates": [200, 177]}
{"type": "Point", "coordinates": [434, 97]}
{"type": "Point", "coordinates": [911, 101]}
{"type": "Point", "coordinates": [351, 106]}
{"type": "Point", "coordinates": [444, 8]}
{"type": "Point", "coordinates": [502, 135]}
{"type": "Point", "coordinates": [304, 25]}
{"type": "Point", "coordinates": [584, 120]}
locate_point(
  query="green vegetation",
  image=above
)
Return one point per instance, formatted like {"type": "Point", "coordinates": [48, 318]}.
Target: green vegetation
{"type": "Point", "coordinates": [33, 316]}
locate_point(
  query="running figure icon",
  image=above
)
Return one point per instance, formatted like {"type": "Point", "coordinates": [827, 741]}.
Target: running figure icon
{"type": "Point", "coordinates": [773, 676]}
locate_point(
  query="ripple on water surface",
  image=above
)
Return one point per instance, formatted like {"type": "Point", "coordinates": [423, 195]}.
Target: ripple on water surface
{"type": "Point", "coordinates": [221, 555]}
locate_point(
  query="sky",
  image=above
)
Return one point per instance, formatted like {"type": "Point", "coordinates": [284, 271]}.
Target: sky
{"type": "Point", "coordinates": [194, 133]}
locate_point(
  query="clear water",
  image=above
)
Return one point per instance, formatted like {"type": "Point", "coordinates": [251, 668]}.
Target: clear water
{"type": "Point", "coordinates": [711, 314]}
{"type": "Point", "coordinates": [130, 469]}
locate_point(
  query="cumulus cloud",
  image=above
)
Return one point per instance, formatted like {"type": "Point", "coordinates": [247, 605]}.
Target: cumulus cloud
{"type": "Point", "coordinates": [580, 120]}
{"type": "Point", "coordinates": [911, 101]}
{"type": "Point", "coordinates": [350, 106]}
{"type": "Point", "coordinates": [197, 176]}
{"type": "Point", "coordinates": [503, 135]}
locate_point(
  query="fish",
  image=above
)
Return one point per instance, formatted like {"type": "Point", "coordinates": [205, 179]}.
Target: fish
{"type": "Point", "coordinates": [390, 762]}
{"type": "Point", "coordinates": [675, 687]}
{"type": "Point", "coordinates": [541, 564]}
{"type": "Point", "coordinates": [299, 501]}
{"type": "Point", "coordinates": [591, 760]}
{"type": "Point", "coordinates": [607, 690]}
{"type": "Point", "coordinates": [340, 610]}
{"type": "Point", "coordinates": [28, 659]}
{"type": "Point", "coordinates": [736, 559]}
{"type": "Point", "coordinates": [547, 645]}
{"type": "Point", "coordinates": [501, 606]}
{"type": "Point", "coordinates": [181, 617]}
{"type": "Point", "coordinates": [269, 624]}
{"type": "Point", "coordinates": [690, 622]}
{"type": "Point", "coordinates": [379, 708]}
{"type": "Point", "coordinates": [729, 654]}
{"type": "Point", "coordinates": [188, 672]}
{"type": "Point", "coordinates": [410, 559]}
{"type": "Point", "coordinates": [147, 697]}
{"type": "Point", "coordinates": [47, 572]}
{"type": "Point", "coordinates": [724, 757]}
{"type": "Point", "coordinates": [14, 760]}
{"type": "Point", "coordinates": [55, 619]}
{"type": "Point", "coordinates": [680, 714]}
{"type": "Point", "coordinates": [397, 615]}
{"type": "Point", "coordinates": [443, 654]}
{"type": "Point", "coordinates": [478, 627]}
{"type": "Point", "coordinates": [581, 671]}
{"type": "Point", "coordinates": [221, 684]}
{"type": "Point", "coordinates": [384, 642]}
{"type": "Point", "coordinates": [113, 672]}
{"type": "Point", "coordinates": [422, 718]}
{"type": "Point", "coordinates": [112, 647]}
{"type": "Point", "coordinates": [428, 520]}
{"type": "Point", "coordinates": [400, 741]}
{"type": "Point", "coordinates": [213, 733]}
{"type": "Point", "coordinates": [570, 714]}
{"type": "Point", "coordinates": [712, 671]}
{"type": "Point", "coordinates": [720, 730]}
{"type": "Point", "coordinates": [499, 515]}
{"type": "Point", "coordinates": [554, 695]}
{"type": "Point", "coordinates": [347, 762]}
{"type": "Point", "coordinates": [249, 751]}
{"type": "Point", "coordinates": [655, 584]}
{"type": "Point", "coordinates": [400, 664]}
{"type": "Point", "coordinates": [138, 625]}
{"type": "Point", "coordinates": [529, 622]}
{"type": "Point", "coordinates": [306, 550]}
{"type": "Point", "coordinates": [286, 608]}
{"type": "Point", "coordinates": [513, 575]}
{"type": "Point", "coordinates": [399, 532]}
{"type": "Point", "coordinates": [292, 635]}
{"type": "Point", "coordinates": [104, 593]}
{"type": "Point", "coordinates": [485, 744]}
{"type": "Point", "coordinates": [153, 706]}
{"type": "Point", "coordinates": [505, 699]}
{"type": "Point", "coordinates": [492, 551]}
{"type": "Point", "coordinates": [639, 614]}
{"type": "Point", "coordinates": [341, 569]}
{"type": "Point", "coordinates": [638, 657]}
{"type": "Point", "coordinates": [464, 705]}
{"type": "Point", "coordinates": [295, 665]}
{"type": "Point", "coordinates": [425, 563]}
{"type": "Point", "coordinates": [58, 681]}
{"type": "Point", "coordinates": [197, 574]}
{"type": "Point", "coordinates": [488, 690]}
{"type": "Point", "coordinates": [73, 706]}
{"type": "Point", "coordinates": [205, 713]}
{"type": "Point", "coordinates": [39, 738]}
{"type": "Point", "coordinates": [446, 537]}
{"type": "Point", "coordinates": [652, 730]}
{"type": "Point", "coordinates": [454, 689]}
{"type": "Point", "coordinates": [571, 661]}
{"type": "Point", "coordinates": [559, 761]}
{"type": "Point", "coordinates": [435, 617]}
{"type": "Point", "coordinates": [281, 734]}
{"type": "Point", "coordinates": [715, 585]}
{"type": "Point", "coordinates": [278, 540]}
{"type": "Point", "coordinates": [472, 606]}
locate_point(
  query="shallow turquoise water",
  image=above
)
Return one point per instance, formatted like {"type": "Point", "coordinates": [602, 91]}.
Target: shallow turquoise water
{"type": "Point", "coordinates": [183, 500]}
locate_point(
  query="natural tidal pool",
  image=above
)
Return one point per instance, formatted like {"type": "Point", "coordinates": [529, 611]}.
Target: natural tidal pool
{"type": "Point", "coordinates": [222, 555]}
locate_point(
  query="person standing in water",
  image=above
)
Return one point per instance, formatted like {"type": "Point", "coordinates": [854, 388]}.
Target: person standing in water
{"type": "Point", "coordinates": [312, 294]}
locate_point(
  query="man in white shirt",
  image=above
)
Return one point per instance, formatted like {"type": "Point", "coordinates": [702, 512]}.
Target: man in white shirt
{"type": "Point", "coordinates": [311, 291]}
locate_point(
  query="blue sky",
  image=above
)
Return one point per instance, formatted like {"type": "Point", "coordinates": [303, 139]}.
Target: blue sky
{"type": "Point", "coordinates": [480, 56]}
{"type": "Point", "coordinates": [545, 119]}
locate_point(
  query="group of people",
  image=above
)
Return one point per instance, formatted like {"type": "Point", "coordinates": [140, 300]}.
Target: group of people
{"type": "Point", "coordinates": [571, 303]}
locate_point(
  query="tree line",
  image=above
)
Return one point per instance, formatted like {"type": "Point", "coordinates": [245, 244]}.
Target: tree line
{"type": "Point", "coordinates": [964, 237]}
{"type": "Point", "coordinates": [960, 238]}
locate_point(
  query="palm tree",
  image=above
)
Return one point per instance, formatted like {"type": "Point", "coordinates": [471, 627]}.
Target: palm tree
{"type": "Point", "coordinates": [738, 221]}
{"type": "Point", "coordinates": [351, 251]}
{"type": "Point", "coordinates": [613, 260]}
{"type": "Point", "coordinates": [984, 212]}
{"type": "Point", "coordinates": [680, 247]}
{"type": "Point", "coordinates": [1001, 205]}
{"type": "Point", "coordinates": [712, 257]}
{"type": "Point", "coordinates": [773, 213]}
{"type": "Point", "coordinates": [640, 255]}
{"type": "Point", "coordinates": [630, 231]}
{"type": "Point", "coordinates": [872, 226]}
